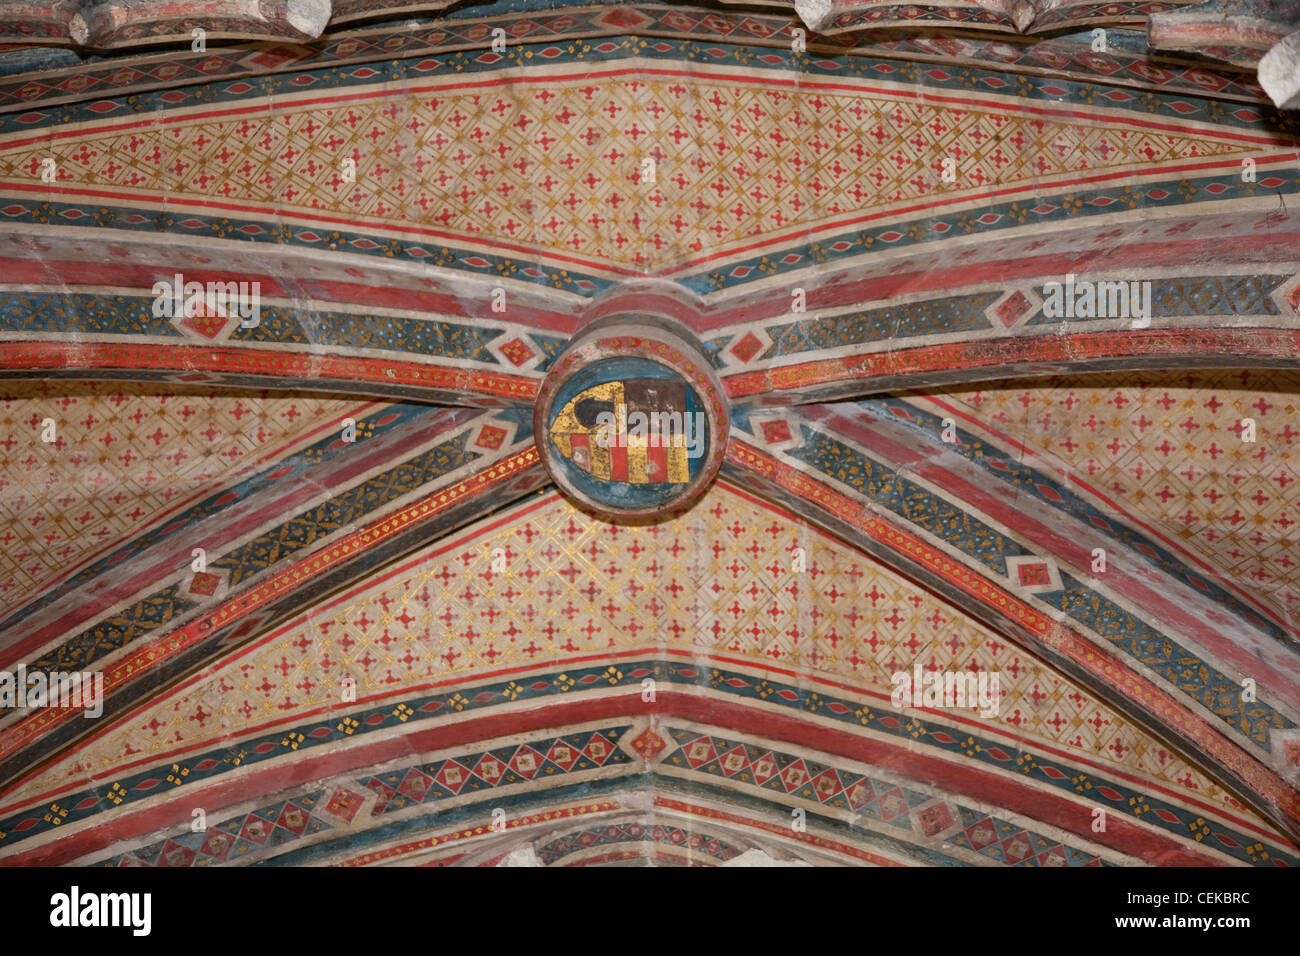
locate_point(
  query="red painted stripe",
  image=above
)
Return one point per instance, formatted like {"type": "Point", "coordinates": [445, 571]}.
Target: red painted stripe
{"type": "Point", "coordinates": [327, 294]}
{"type": "Point", "coordinates": [959, 778]}
{"type": "Point", "coordinates": [254, 361]}
{"type": "Point", "coordinates": [437, 839]}
{"type": "Point", "coordinates": [276, 452]}
{"type": "Point", "coordinates": [781, 829]}
{"type": "Point", "coordinates": [271, 508]}
{"type": "Point", "coordinates": [1253, 248]}
{"type": "Point", "coordinates": [1162, 708]}
{"type": "Point", "coordinates": [928, 273]}
{"type": "Point", "coordinates": [122, 670]}
{"type": "Point", "coordinates": [1281, 347]}
{"type": "Point", "coordinates": [370, 224]}
{"type": "Point", "coordinates": [1170, 612]}
{"type": "Point", "coordinates": [1012, 738]}
{"type": "Point", "coordinates": [118, 770]}
{"type": "Point", "coordinates": [256, 730]}
{"type": "Point", "coordinates": [1080, 481]}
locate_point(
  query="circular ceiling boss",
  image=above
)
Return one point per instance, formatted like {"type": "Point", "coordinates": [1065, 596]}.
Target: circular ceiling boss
{"type": "Point", "coordinates": [631, 420]}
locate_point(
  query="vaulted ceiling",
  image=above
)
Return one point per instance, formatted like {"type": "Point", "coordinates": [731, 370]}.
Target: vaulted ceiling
{"type": "Point", "coordinates": [402, 644]}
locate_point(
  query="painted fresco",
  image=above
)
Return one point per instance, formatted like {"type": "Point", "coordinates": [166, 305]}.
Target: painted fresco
{"type": "Point", "coordinates": [611, 441]}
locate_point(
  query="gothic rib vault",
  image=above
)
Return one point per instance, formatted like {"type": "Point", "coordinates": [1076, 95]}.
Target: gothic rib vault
{"type": "Point", "coordinates": [402, 633]}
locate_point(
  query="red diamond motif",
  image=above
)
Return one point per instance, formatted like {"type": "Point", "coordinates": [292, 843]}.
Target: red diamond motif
{"type": "Point", "coordinates": [174, 854]}
{"type": "Point", "coordinates": [204, 584]}
{"type": "Point", "coordinates": [1293, 297]}
{"type": "Point", "coordinates": [293, 818]}
{"type": "Point", "coordinates": [256, 830]}
{"type": "Point", "coordinates": [415, 785]}
{"type": "Point", "coordinates": [860, 794]}
{"type": "Point", "coordinates": [344, 803]}
{"type": "Point", "coordinates": [598, 749]}
{"type": "Point", "coordinates": [1053, 857]}
{"type": "Point", "coordinates": [274, 57]}
{"type": "Point", "coordinates": [623, 17]}
{"type": "Point", "coordinates": [453, 776]}
{"type": "Point", "coordinates": [1016, 848]}
{"type": "Point", "coordinates": [734, 760]}
{"type": "Point", "coordinates": [563, 755]}
{"type": "Point", "coordinates": [218, 844]}
{"type": "Point", "coordinates": [981, 834]}
{"type": "Point", "coordinates": [699, 752]}
{"type": "Point", "coordinates": [935, 819]}
{"type": "Point", "coordinates": [526, 762]}
{"type": "Point", "coordinates": [491, 437]}
{"type": "Point", "coordinates": [774, 432]}
{"type": "Point", "coordinates": [827, 784]}
{"type": "Point", "coordinates": [517, 351]}
{"type": "Point", "coordinates": [746, 347]}
{"type": "Point", "coordinates": [1032, 575]}
{"type": "Point", "coordinates": [648, 744]}
{"type": "Point", "coordinates": [892, 804]}
{"type": "Point", "coordinates": [1013, 309]}
{"type": "Point", "coordinates": [764, 768]}
{"type": "Point", "coordinates": [490, 769]}
{"type": "Point", "coordinates": [76, 84]}
{"type": "Point", "coordinates": [208, 326]}
{"type": "Point", "coordinates": [794, 776]}
{"type": "Point", "coordinates": [204, 322]}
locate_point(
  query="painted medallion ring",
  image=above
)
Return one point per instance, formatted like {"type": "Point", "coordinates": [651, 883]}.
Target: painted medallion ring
{"type": "Point", "coordinates": [631, 420]}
